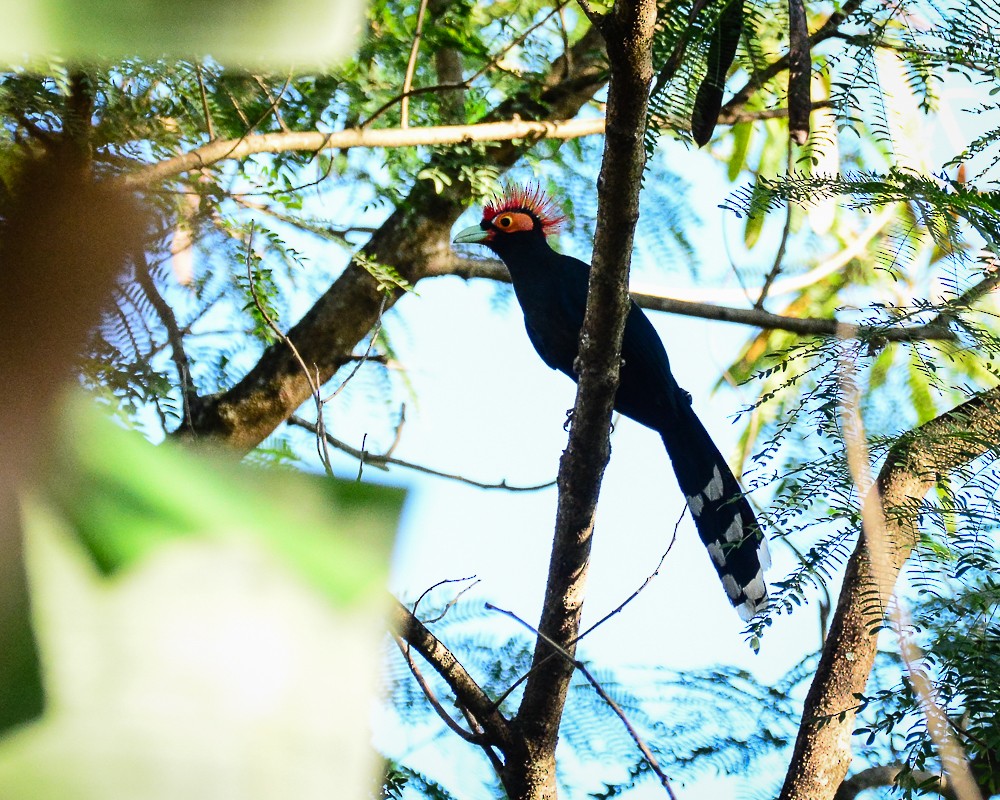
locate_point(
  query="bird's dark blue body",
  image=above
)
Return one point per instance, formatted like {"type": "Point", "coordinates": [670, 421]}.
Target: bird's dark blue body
{"type": "Point", "coordinates": [552, 291]}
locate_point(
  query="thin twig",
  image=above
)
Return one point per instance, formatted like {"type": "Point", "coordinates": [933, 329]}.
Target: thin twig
{"type": "Point", "coordinates": [606, 617]}
{"type": "Point", "coordinates": [411, 65]}
{"type": "Point", "coordinates": [314, 387]}
{"type": "Point", "coordinates": [779, 257]}
{"type": "Point", "coordinates": [210, 127]}
{"type": "Point", "coordinates": [397, 435]}
{"type": "Point", "coordinates": [431, 588]}
{"type": "Point", "coordinates": [464, 84]}
{"type": "Point", "coordinates": [361, 461]}
{"type": "Point", "coordinates": [643, 585]}
{"type": "Point", "coordinates": [404, 648]}
{"type": "Point", "coordinates": [384, 462]}
{"type": "Point", "coordinates": [654, 765]}
{"type": "Point", "coordinates": [175, 338]}
{"type": "Point", "coordinates": [364, 357]}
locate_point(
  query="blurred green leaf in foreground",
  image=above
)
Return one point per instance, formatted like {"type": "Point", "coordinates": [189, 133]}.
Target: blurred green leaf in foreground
{"type": "Point", "coordinates": [260, 33]}
{"type": "Point", "coordinates": [206, 629]}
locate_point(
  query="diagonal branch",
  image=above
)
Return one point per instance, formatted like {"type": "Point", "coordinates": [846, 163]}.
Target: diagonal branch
{"type": "Point", "coordinates": [822, 751]}
{"type": "Point", "coordinates": [826, 31]}
{"type": "Point", "coordinates": [414, 240]}
{"type": "Point", "coordinates": [469, 694]}
{"type": "Point", "coordinates": [175, 336]}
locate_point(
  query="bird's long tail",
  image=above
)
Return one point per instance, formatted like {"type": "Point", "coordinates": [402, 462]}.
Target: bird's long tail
{"type": "Point", "coordinates": [722, 515]}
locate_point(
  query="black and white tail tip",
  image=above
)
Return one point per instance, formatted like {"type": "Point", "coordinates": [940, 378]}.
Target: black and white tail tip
{"type": "Point", "coordinates": [748, 594]}
{"type": "Point", "coordinates": [750, 599]}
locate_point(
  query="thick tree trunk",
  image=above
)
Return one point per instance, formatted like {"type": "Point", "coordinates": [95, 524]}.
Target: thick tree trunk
{"type": "Point", "coordinates": [628, 30]}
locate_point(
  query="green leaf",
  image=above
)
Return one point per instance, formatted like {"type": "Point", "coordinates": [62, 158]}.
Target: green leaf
{"type": "Point", "coordinates": [206, 627]}
{"type": "Point", "coordinates": [759, 203]}
{"type": "Point", "coordinates": [126, 498]}
{"type": "Point", "coordinates": [742, 134]}
{"type": "Point", "coordinates": [261, 34]}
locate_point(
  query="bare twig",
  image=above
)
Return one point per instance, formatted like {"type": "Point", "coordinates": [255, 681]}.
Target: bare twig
{"type": "Point", "coordinates": [618, 609]}
{"type": "Point", "coordinates": [431, 588]}
{"type": "Point", "coordinates": [324, 455]}
{"type": "Point", "coordinates": [607, 616]}
{"type": "Point", "coordinates": [404, 648]}
{"type": "Point", "coordinates": [364, 356]}
{"type": "Point", "coordinates": [210, 127]}
{"type": "Point", "coordinates": [383, 462]}
{"type": "Point", "coordinates": [275, 101]}
{"type": "Point", "coordinates": [779, 257]}
{"type": "Point", "coordinates": [397, 435]}
{"type": "Point", "coordinates": [174, 336]}
{"type": "Point", "coordinates": [411, 65]}
{"type": "Point", "coordinates": [654, 765]}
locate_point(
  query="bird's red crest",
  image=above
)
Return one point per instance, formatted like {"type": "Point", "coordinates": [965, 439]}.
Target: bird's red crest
{"type": "Point", "coordinates": [529, 199]}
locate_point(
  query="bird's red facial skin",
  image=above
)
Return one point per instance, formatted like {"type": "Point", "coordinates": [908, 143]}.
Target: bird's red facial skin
{"type": "Point", "coordinates": [511, 222]}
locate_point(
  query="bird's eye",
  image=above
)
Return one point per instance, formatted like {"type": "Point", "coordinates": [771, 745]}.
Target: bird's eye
{"type": "Point", "coordinates": [504, 222]}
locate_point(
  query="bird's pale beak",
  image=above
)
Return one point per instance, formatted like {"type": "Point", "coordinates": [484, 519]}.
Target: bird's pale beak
{"type": "Point", "coordinates": [471, 235]}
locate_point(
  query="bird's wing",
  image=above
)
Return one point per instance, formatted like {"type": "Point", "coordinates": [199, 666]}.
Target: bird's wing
{"type": "Point", "coordinates": [541, 346]}
{"type": "Point", "coordinates": [553, 314]}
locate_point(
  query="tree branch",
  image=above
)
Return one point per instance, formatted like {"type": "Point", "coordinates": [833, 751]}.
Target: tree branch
{"type": "Point", "coordinates": [647, 754]}
{"type": "Point", "coordinates": [414, 240]}
{"type": "Point", "coordinates": [467, 691]}
{"type": "Point", "coordinates": [885, 775]}
{"type": "Point", "coordinates": [822, 751]}
{"type": "Point", "coordinates": [384, 461]}
{"type": "Point", "coordinates": [758, 318]}
{"type": "Point", "coordinates": [314, 141]}
{"type": "Point", "coordinates": [628, 31]}
{"type": "Point", "coordinates": [175, 337]}
{"type": "Point", "coordinates": [446, 718]}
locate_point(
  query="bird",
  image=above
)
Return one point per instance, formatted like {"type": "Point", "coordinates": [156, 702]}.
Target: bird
{"type": "Point", "coordinates": [551, 289]}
